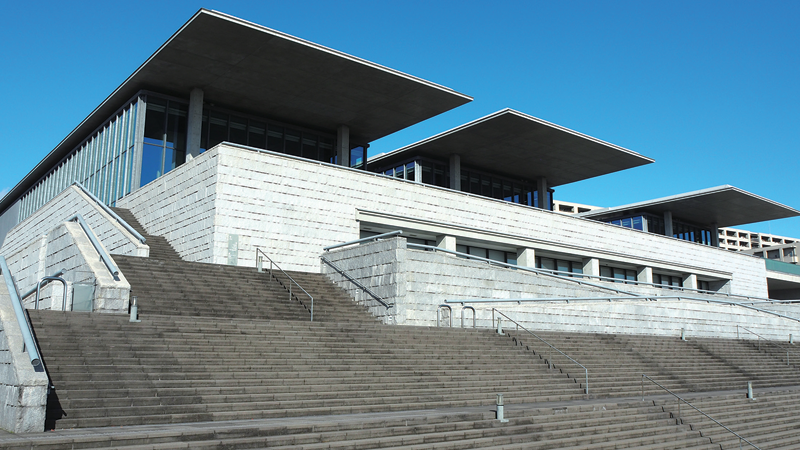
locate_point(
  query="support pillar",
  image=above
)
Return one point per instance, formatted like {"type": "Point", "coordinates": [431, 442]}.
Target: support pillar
{"type": "Point", "coordinates": [526, 257]}
{"type": "Point", "coordinates": [195, 124]}
{"type": "Point", "coordinates": [690, 281]}
{"type": "Point", "coordinates": [455, 171]}
{"type": "Point", "coordinates": [541, 193]}
{"type": "Point", "coordinates": [668, 223]}
{"type": "Point", "coordinates": [714, 235]}
{"type": "Point", "coordinates": [446, 242]}
{"type": "Point", "coordinates": [644, 274]}
{"type": "Point", "coordinates": [343, 145]}
{"type": "Point", "coordinates": [591, 267]}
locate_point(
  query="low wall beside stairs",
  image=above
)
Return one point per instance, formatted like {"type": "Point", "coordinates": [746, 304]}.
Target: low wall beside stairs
{"type": "Point", "coordinates": [418, 281]}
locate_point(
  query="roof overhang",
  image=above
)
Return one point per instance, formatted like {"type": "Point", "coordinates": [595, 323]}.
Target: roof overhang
{"type": "Point", "coordinates": [520, 146]}
{"type": "Point", "coordinates": [723, 206]}
{"type": "Point", "coordinates": [257, 70]}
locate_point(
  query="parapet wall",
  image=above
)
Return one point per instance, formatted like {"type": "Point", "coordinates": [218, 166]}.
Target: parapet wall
{"type": "Point", "coordinates": [419, 281]}
{"type": "Point", "coordinates": [23, 390]}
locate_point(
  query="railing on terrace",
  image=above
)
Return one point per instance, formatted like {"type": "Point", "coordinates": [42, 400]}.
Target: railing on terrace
{"type": "Point", "coordinates": [548, 359]}
{"type": "Point", "coordinates": [681, 400]}
{"type": "Point", "coordinates": [290, 281]}
{"type": "Point", "coordinates": [45, 280]}
{"type": "Point", "coordinates": [579, 277]}
{"type": "Point", "coordinates": [366, 239]}
{"type": "Point", "coordinates": [27, 333]}
{"type": "Point", "coordinates": [759, 338]}
{"type": "Point", "coordinates": [610, 299]}
{"type": "Point", "coordinates": [110, 212]}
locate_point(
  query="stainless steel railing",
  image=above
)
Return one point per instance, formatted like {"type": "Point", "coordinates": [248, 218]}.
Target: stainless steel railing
{"type": "Point", "coordinates": [289, 285]}
{"type": "Point", "coordinates": [360, 286]}
{"type": "Point", "coordinates": [112, 267]}
{"type": "Point", "coordinates": [366, 239]}
{"type": "Point", "coordinates": [681, 400]}
{"type": "Point", "coordinates": [25, 327]}
{"type": "Point", "coordinates": [110, 212]}
{"type": "Point", "coordinates": [759, 338]}
{"type": "Point", "coordinates": [549, 361]}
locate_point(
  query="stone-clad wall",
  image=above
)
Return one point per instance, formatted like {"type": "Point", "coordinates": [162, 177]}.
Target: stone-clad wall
{"type": "Point", "coordinates": [68, 203]}
{"type": "Point", "coordinates": [419, 281]}
{"type": "Point", "coordinates": [293, 208]}
{"type": "Point", "coordinates": [23, 391]}
{"type": "Point", "coordinates": [180, 207]}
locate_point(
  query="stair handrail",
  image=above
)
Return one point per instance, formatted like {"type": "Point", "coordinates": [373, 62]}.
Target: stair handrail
{"type": "Point", "coordinates": [681, 399]}
{"type": "Point", "coordinates": [609, 299]}
{"type": "Point", "coordinates": [110, 212]}
{"type": "Point", "coordinates": [33, 290]}
{"type": "Point", "coordinates": [273, 263]}
{"type": "Point", "coordinates": [112, 267]}
{"type": "Point", "coordinates": [359, 285]}
{"type": "Point", "coordinates": [24, 325]}
{"type": "Point", "coordinates": [39, 291]}
{"type": "Point", "coordinates": [758, 341]}
{"type": "Point", "coordinates": [585, 370]}
{"type": "Point", "coordinates": [366, 239]}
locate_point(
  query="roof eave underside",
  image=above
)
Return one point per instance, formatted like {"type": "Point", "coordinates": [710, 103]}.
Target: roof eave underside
{"type": "Point", "coordinates": [257, 70]}
{"type": "Point", "coordinates": [521, 146]}
{"type": "Point", "coordinates": [723, 206]}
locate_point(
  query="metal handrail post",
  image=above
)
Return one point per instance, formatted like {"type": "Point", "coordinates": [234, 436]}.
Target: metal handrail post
{"type": "Point", "coordinates": [758, 340]}
{"type": "Point", "coordinates": [681, 399]}
{"type": "Point", "coordinates": [464, 308]}
{"type": "Point", "coordinates": [358, 284]}
{"type": "Point", "coordinates": [25, 328]}
{"type": "Point", "coordinates": [38, 289]}
{"type": "Point", "coordinates": [293, 282]}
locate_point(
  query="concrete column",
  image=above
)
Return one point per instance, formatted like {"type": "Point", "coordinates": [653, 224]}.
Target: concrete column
{"type": "Point", "coordinates": [526, 257]}
{"type": "Point", "coordinates": [195, 124]}
{"type": "Point", "coordinates": [541, 192]}
{"type": "Point", "coordinates": [668, 223]}
{"type": "Point", "coordinates": [644, 274]}
{"type": "Point", "coordinates": [714, 235]}
{"type": "Point", "coordinates": [343, 145]}
{"type": "Point", "coordinates": [455, 171]}
{"type": "Point", "coordinates": [446, 242]}
{"type": "Point", "coordinates": [417, 174]}
{"type": "Point", "coordinates": [690, 281]}
{"type": "Point", "coordinates": [591, 267]}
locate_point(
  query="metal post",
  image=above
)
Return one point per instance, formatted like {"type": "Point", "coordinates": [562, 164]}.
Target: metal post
{"type": "Point", "coordinates": [683, 334]}
{"type": "Point", "coordinates": [134, 310]}
{"type": "Point", "coordinates": [499, 325]}
{"type": "Point", "coordinates": [499, 404]}
{"type": "Point", "coordinates": [791, 339]}
{"type": "Point", "coordinates": [750, 390]}
{"type": "Point", "coordinates": [642, 387]}
{"type": "Point", "coordinates": [260, 264]}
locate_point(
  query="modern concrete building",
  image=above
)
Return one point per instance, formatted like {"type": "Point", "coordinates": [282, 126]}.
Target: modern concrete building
{"type": "Point", "coordinates": [234, 137]}
{"type": "Point", "coordinates": [234, 141]}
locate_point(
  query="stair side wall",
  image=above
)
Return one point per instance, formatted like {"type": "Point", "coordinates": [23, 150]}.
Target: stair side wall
{"type": "Point", "coordinates": [419, 281]}
{"type": "Point", "coordinates": [23, 391]}
{"type": "Point", "coordinates": [180, 206]}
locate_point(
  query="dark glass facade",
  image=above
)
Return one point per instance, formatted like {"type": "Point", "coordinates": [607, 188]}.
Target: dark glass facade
{"type": "Point", "coordinates": [655, 224]}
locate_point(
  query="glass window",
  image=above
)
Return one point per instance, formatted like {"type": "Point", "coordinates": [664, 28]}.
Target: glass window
{"type": "Point", "coordinates": [155, 120]}
{"type": "Point", "coordinates": [497, 255]}
{"type": "Point", "coordinates": [357, 157]}
{"type": "Point", "coordinates": [292, 144]}
{"type": "Point", "coordinates": [151, 163]}
{"type": "Point", "coordinates": [275, 139]}
{"type": "Point", "coordinates": [410, 175]}
{"type": "Point", "coordinates": [238, 130]}
{"type": "Point", "coordinates": [326, 150]}
{"type": "Point", "coordinates": [257, 134]}
{"type": "Point", "coordinates": [217, 128]}
{"type": "Point", "coordinates": [399, 172]}
{"type": "Point", "coordinates": [309, 146]}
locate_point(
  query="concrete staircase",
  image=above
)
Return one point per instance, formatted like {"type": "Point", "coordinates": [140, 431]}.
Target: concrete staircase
{"type": "Point", "coordinates": [616, 362]}
{"type": "Point", "coordinates": [770, 421]}
{"type": "Point", "coordinates": [164, 284]}
{"type": "Point", "coordinates": [639, 425]}
{"type": "Point", "coordinates": [172, 369]}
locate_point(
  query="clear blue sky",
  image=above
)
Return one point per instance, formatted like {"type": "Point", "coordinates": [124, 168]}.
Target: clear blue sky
{"type": "Point", "coordinates": [710, 90]}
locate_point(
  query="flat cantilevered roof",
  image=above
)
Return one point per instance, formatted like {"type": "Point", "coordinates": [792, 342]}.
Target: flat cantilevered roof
{"type": "Point", "coordinates": [520, 146]}
{"type": "Point", "coordinates": [725, 206]}
{"type": "Point", "coordinates": [257, 70]}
